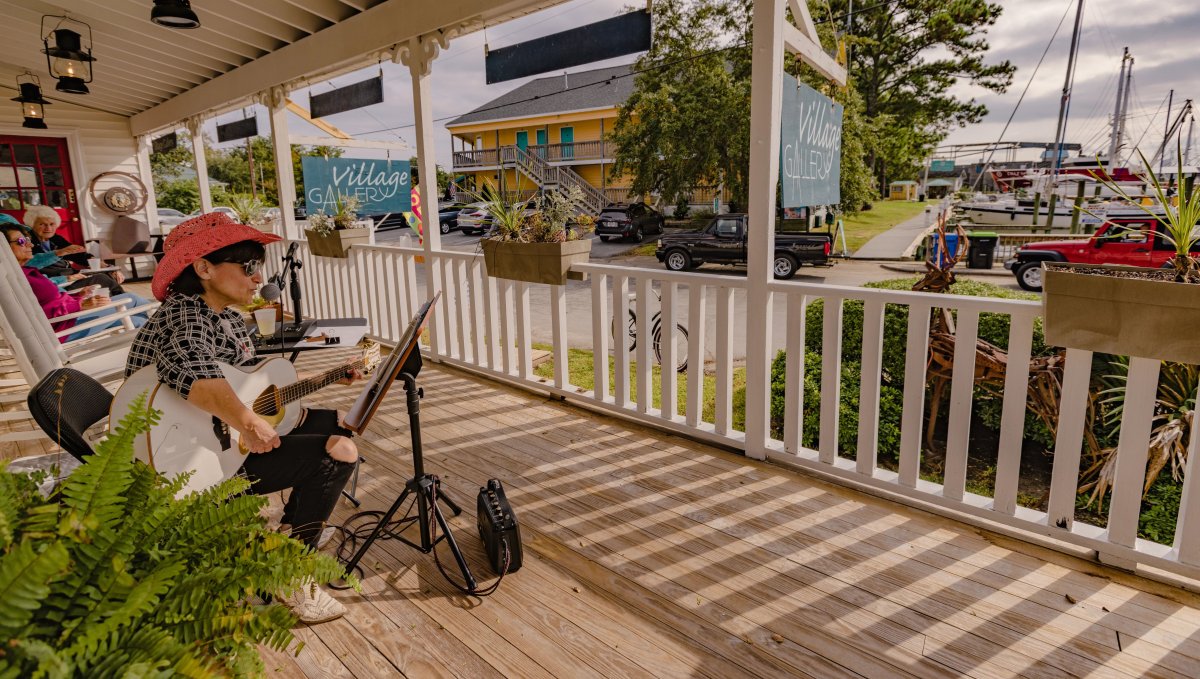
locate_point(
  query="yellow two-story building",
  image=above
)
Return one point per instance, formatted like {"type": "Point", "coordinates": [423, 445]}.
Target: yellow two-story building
{"type": "Point", "coordinates": [548, 132]}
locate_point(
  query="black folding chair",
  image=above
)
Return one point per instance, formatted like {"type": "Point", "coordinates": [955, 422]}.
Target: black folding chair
{"type": "Point", "coordinates": [65, 404]}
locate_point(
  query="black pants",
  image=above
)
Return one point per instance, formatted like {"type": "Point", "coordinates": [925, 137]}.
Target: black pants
{"type": "Point", "coordinates": [302, 464]}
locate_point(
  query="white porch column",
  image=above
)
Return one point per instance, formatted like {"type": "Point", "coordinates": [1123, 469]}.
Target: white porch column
{"type": "Point", "coordinates": [147, 177]}
{"type": "Point", "coordinates": [200, 162]}
{"type": "Point", "coordinates": [765, 99]}
{"type": "Point", "coordinates": [281, 144]}
{"type": "Point", "coordinates": [418, 55]}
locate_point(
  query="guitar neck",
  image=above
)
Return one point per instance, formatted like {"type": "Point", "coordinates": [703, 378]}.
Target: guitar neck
{"type": "Point", "coordinates": [297, 391]}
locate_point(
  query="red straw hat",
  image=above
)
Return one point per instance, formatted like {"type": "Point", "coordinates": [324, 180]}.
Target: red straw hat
{"type": "Point", "coordinates": [196, 238]}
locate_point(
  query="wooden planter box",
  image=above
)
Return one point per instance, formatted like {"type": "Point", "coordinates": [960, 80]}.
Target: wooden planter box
{"type": "Point", "coordinates": [534, 262]}
{"type": "Point", "coordinates": [1157, 319]}
{"type": "Point", "coordinates": [336, 244]}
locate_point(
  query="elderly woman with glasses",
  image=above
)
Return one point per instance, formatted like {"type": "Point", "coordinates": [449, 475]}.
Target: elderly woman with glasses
{"type": "Point", "coordinates": [60, 259]}
{"type": "Point", "coordinates": [54, 301]}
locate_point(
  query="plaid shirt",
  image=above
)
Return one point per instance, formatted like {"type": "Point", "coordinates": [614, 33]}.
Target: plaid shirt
{"type": "Point", "coordinates": [185, 339]}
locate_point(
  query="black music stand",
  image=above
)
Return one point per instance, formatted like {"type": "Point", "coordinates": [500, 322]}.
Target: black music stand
{"type": "Point", "coordinates": [423, 488]}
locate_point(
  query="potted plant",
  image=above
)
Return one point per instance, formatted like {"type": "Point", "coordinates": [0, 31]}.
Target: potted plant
{"type": "Point", "coordinates": [1134, 311]}
{"type": "Point", "coordinates": [251, 212]}
{"type": "Point", "coordinates": [114, 576]}
{"type": "Point", "coordinates": [332, 235]}
{"type": "Point", "coordinates": [540, 247]}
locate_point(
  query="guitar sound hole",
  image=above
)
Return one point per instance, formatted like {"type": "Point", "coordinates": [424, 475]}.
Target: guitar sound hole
{"type": "Point", "coordinates": [266, 403]}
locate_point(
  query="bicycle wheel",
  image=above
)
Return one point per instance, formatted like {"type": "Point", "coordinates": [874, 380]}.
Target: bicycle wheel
{"type": "Point", "coordinates": [681, 344]}
{"type": "Point", "coordinates": [632, 330]}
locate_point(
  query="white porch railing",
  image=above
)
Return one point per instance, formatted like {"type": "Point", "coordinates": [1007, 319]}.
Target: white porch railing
{"type": "Point", "coordinates": [489, 326]}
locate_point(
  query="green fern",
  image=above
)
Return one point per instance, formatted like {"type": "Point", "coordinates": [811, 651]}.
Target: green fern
{"type": "Point", "coordinates": [117, 577]}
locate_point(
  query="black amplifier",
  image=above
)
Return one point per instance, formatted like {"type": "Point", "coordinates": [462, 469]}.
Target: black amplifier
{"type": "Point", "coordinates": [498, 528]}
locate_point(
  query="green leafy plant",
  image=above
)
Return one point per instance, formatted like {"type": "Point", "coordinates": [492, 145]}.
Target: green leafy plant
{"type": "Point", "coordinates": [250, 210]}
{"type": "Point", "coordinates": [559, 217]}
{"type": "Point", "coordinates": [114, 576]}
{"type": "Point", "coordinates": [343, 217]}
{"type": "Point", "coordinates": [1178, 220]}
{"type": "Point", "coordinates": [1171, 425]}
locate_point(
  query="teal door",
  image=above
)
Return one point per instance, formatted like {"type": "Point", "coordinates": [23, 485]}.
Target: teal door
{"type": "Point", "coordinates": [541, 142]}
{"type": "Point", "coordinates": [566, 136]}
{"type": "Point", "coordinates": [522, 140]}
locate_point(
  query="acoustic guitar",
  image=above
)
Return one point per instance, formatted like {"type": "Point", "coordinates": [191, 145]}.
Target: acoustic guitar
{"type": "Point", "coordinates": [186, 438]}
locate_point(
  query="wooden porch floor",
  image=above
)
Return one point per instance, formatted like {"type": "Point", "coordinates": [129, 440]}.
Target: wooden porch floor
{"type": "Point", "coordinates": [650, 555]}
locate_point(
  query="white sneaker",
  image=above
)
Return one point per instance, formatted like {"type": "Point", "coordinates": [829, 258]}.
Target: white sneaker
{"type": "Point", "coordinates": [313, 605]}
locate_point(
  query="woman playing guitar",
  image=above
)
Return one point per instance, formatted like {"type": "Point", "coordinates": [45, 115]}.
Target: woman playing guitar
{"type": "Point", "coordinates": [211, 263]}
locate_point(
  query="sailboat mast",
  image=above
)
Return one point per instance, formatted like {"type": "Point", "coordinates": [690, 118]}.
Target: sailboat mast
{"type": "Point", "coordinates": [1115, 138]}
{"type": "Point", "coordinates": [1125, 105]}
{"type": "Point", "coordinates": [1187, 150]}
{"type": "Point", "coordinates": [1066, 95]}
{"type": "Point", "coordinates": [1166, 127]}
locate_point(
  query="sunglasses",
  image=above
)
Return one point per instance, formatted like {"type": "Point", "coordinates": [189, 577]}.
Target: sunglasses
{"type": "Point", "coordinates": [21, 242]}
{"type": "Point", "coordinates": [250, 268]}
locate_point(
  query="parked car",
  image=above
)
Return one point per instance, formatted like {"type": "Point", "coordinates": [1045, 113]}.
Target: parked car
{"type": "Point", "coordinates": [448, 215]}
{"type": "Point", "coordinates": [631, 221]}
{"type": "Point", "coordinates": [475, 219]}
{"type": "Point", "coordinates": [228, 211]}
{"type": "Point", "coordinates": [170, 217]}
{"type": "Point", "coordinates": [723, 241]}
{"type": "Point", "coordinates": [1131, 238]}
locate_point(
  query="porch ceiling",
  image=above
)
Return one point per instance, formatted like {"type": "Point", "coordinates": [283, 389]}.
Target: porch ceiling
{"type": "Point", "coordinates": [159, 76]}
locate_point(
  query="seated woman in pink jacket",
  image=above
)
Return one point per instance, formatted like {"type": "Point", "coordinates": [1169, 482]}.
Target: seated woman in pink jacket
{"type": "Point", "coordinates": [55, 302]}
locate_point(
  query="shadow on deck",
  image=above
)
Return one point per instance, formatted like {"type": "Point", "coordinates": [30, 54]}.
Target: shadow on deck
{"type": "Point", "coordinates": [651, 555]}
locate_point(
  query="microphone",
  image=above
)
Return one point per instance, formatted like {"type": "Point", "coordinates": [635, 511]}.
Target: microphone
{"type": "Point", "coordinates": [291, 253]}
{"type": "Point", "coordinates": [270, 292]}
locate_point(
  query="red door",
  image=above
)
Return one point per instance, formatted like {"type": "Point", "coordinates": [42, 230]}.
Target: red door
{"type": "Point", "coordinates": [37, 171]}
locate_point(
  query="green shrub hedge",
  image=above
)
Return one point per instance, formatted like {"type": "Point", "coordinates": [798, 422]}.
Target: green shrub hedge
{"type": "Point", "coordinates": [993, 328]}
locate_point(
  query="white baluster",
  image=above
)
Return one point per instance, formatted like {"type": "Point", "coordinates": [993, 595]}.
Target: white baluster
{"type": "Point", "coordinates": [913, 416]}
{"type": "Point", "coordinates": [962, 386]}
{"type": "Point", "coordinates": [601, 331]}
{"type": "Point", "coordinates": [698, 322]}
{"type": "Point", "coordinates": [723, 414]}
{"type": "Point", "coordinates": [524, 343]}
{"type": "Point", "coordinates": [869, 387]}
{"type": "Point", "coordinates": [558, 323]}
{"type": "Point", "coordinates": [793, 400]}
{"type": "Point", "coordinates": [1072, 413]}
{"type": "Point", "coordinates": [668, 384]}
{"type": "Point", "coordinates": [620, 304]}
{"type": "Point", "coordinates": [831, 378]}
{"type": "Point", "coordinates": [1141, 392]}
{"type": "Point", "coordinates": [645, 367]}
{"type": "Point", "coordinates": [1012, 417]}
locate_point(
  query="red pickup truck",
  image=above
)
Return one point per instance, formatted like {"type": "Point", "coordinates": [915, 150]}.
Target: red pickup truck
{"type": "Point", "coordinates": [1132, 239]}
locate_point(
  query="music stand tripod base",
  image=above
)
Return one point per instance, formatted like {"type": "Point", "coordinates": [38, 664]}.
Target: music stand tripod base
{"type": "Point", "coordinates": [425, 489]}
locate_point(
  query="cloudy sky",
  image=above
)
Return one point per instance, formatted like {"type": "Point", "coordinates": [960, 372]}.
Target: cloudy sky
{"type": "Point", "coordinates": [1161, 37]}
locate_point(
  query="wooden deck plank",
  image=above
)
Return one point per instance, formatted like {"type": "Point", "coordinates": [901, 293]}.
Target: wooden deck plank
{"type": "Point", "coordinates": [555, 624]}
{"type": "Point", "coordinates": [1075, 626]}
{"type": "Point", "coordinates": [316, 660]}
{"type": "Point", "coordinates": [827, 642]}
{"type": "Point", "coordinates": [1027, 662]}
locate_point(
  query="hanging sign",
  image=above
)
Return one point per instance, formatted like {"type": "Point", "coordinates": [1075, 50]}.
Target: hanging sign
{"type": "Point", "coordinates": [238, 129]}
{"type": "Point", "coordinates": [381, 186]}
{"type": "Point", "coordinates": [165, 143]}
{"type": "Point", "coordinates": [625, 34]}
{"type": "Point", "coordinates": [941, 166]}
{"type": "Point", "coordinates": [348, 98]}
{"type": "Point", "coordinates": [810, 146]}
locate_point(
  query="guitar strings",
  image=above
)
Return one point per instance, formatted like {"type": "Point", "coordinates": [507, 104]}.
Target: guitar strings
{"type": "Point", "coordinates": [268, 398]}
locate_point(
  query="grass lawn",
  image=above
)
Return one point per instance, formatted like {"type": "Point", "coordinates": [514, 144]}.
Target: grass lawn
{"type": "Point", "coordinates": [864, 226]}
{"type": "Point", "coordinates": [579, 366]}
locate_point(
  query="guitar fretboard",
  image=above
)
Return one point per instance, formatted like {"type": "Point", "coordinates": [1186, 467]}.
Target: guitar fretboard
{"type": "Point", "coordinates": [298, 390]}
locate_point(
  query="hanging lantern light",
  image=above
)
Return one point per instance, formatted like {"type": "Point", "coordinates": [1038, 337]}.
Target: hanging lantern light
{"type": "Point", "coordinates": [67, 59]}
{"type": "Point", "coordinates": [31, 101]}
{"type": "Point", "coordinates": [174, 14]}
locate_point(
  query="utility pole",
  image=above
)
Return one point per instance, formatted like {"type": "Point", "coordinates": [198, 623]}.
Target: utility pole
{"type": "Point", "coordinates": [250, 160]}
{"type": "Point", "coordinates": [1116, 121]}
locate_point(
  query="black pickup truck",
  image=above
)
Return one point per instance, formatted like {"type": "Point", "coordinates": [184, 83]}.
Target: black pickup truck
{"type": "Point", "coordinates": [723, 241]}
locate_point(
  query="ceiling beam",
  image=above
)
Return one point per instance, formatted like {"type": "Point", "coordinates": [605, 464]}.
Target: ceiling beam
{"type": "Point", "coordinates": [325, 127]}
{"type": "Point", "coordinates": [813, 55]}
{"type": "Point", "coordinates": [347, 43]}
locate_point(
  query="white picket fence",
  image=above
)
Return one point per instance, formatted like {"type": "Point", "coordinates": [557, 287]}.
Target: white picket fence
{"type": "Point", "coordinates": [487, 325]}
